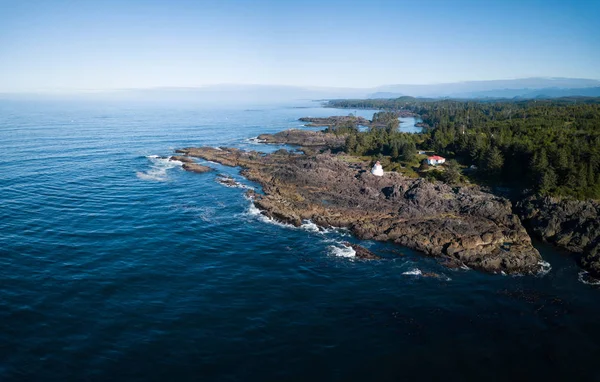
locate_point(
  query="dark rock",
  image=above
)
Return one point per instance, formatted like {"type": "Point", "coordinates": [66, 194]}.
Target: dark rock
{"type": "Point", "coordinates": [195, 167]}
{"type": "Point", "coordinates": [181, 158]}
{"type": "Point", "coordinates": [570, 224]}
{"type": "Point", "coordinates": [227, 181]}
{"type": "Point", "coordinates": [362, 252]}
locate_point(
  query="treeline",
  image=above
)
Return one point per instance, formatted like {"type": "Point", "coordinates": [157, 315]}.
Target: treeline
{"type": "Point", "coordinates": [381, 138]}
{"type": "Point", "coordinates": [550, 146]}
{"type": "Point", "coordinates": [383, 141]}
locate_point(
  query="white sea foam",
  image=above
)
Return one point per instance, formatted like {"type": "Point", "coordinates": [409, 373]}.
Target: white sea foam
{"type": "Point", "coordinates": [158, 168]}
{"type": "Point", "coordinates": [222, 180]}
{"type": "Point", "coordinates": [413, 272]}
{"type": "Point", "coordinates": [306, 225]}
{"type": "Point", "coordinates": [545, 267]}
{"type": "Point", "coordinates": [253, 211]}
{"type": "Point", "coordinates": [342, 251]}
{"type": "Point", "coordinates": [255, 140]}
{"type": "Point", "coordinates": [310, 226]}
{"type": "Point", "coordinates": [584, 277]}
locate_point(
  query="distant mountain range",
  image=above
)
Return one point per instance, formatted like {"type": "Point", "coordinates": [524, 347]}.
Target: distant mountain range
{"type": "Point", "coordinates": [522, 88]}
{"type": "Point", "coordinates": [525, 88]}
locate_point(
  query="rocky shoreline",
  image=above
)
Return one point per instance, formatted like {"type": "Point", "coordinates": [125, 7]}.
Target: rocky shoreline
{"type": "Point", "coordinates": [464, 226]}
{"type": "Point", "coordinates": [460, 225]}
{"type": "Point", "coordinates": [570, 224]}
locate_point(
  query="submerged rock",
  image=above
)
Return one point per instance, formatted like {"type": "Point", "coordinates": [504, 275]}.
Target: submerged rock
{"type": "Point", "coordinates": [464, 225]}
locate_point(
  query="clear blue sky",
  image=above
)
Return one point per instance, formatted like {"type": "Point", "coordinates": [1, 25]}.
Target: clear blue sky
{"type": "Point", "coordinates": [107, 44]}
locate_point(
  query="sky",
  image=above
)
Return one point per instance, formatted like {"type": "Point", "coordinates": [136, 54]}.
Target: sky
{"type": "Point", "coordinates": [58, 45]}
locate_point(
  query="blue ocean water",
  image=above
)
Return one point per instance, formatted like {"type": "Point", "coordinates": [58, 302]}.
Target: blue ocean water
{"type": "Point", "coordinates": [116, 264]}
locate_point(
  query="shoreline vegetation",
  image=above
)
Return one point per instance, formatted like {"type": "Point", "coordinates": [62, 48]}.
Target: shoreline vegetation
{"type": "Point", "coordinates": [444, 211]}
{"type": "Point", "coordinates": [550, 147]}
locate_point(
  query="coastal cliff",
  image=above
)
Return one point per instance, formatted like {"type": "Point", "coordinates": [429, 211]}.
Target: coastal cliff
{"type": "Point", "coordinates": [461, 225]}
{"type": "Point", "coordinates": [570, 224]}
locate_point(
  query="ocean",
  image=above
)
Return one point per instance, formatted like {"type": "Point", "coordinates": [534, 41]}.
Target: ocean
{"type": "Point", "coordinates": [115, 264]}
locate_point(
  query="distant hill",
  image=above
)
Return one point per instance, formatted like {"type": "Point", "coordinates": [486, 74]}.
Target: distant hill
{"type": "Point", "coordinates": [555, 93]}
{"type": "Point", "coordinates": [230, 93]}
{"type": "Point", "coordinates": [524, 88]}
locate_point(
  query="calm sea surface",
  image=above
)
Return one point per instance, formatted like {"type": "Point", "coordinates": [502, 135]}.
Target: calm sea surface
{"type": "Point", "coordinates": [116, 264]}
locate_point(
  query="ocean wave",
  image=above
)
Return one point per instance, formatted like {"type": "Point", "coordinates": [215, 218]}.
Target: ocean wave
{"type": "Point", "coordinates": [253, 211]}
{"type": "Point", "coordinates": [310, 226]}
{"type": "Point", "coordinates": [413, 272]}
{"type": "Point", "coordinates": [232, 183]}
{"type": "Point", "coordinates": [545, 267]}
{"type": "Point", "coordinates": [342, 250]}
{"type": "Point", "coordinates": [307, 225]}
{"type": "Point", "coordinates": [584, 277]}
{"type": "Point", "coordinates": [254, 140]}
{"type": "Point", "coordinates": [158, 168]}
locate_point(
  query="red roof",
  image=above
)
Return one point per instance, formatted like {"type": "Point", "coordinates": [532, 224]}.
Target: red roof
{"type": "Point", "coordinates": [435, 157]}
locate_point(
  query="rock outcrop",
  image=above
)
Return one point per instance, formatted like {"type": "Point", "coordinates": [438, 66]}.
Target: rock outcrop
{"type": "Point", "coordinates": [463, 225]}
{"type": "Point", "coordinates": [570, 224]}
{"type": "Point", "coordinates": [332, 121]}
{"type": "Point", "coordinates": [362, 252]}
{"type": "Point", "coordinates": [181, 158]}
{"type": "Point", "coordinates": [305, 138]}
{"type": "Point", "coordinates": [195, 167]}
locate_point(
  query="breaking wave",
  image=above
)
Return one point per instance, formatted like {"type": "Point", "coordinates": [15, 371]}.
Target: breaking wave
{"type": "Point", "coordinates": [158, 168]}
{"type": "Point", "coordinates": [306, 225]}
{"type": "Point", "coordinates": [413, 272]}
{"type": "Point", "coordinates": [232, 183]}
{"type": "Point", "coordinates": [342, 251]}
{"type": "Point", "coordinates": [584, 277]}
{"type": "Point", "coordinates": [545, 267]}
{"type": "Point", "coordinates": [253, 211]}
{"type": "Point", "coordinates": [310, 226]}
{"type": "Point", "coordinates": [255, 140]}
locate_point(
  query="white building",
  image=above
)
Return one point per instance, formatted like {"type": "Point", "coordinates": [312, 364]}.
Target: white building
{"type": "Point", "coordinates": [435, 160]}
{"type": "Point", "coordinates": [377, 170]}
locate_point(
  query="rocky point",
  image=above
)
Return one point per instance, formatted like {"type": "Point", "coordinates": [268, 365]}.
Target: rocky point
{"type": "Point", "coordinates": [462, 225]}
